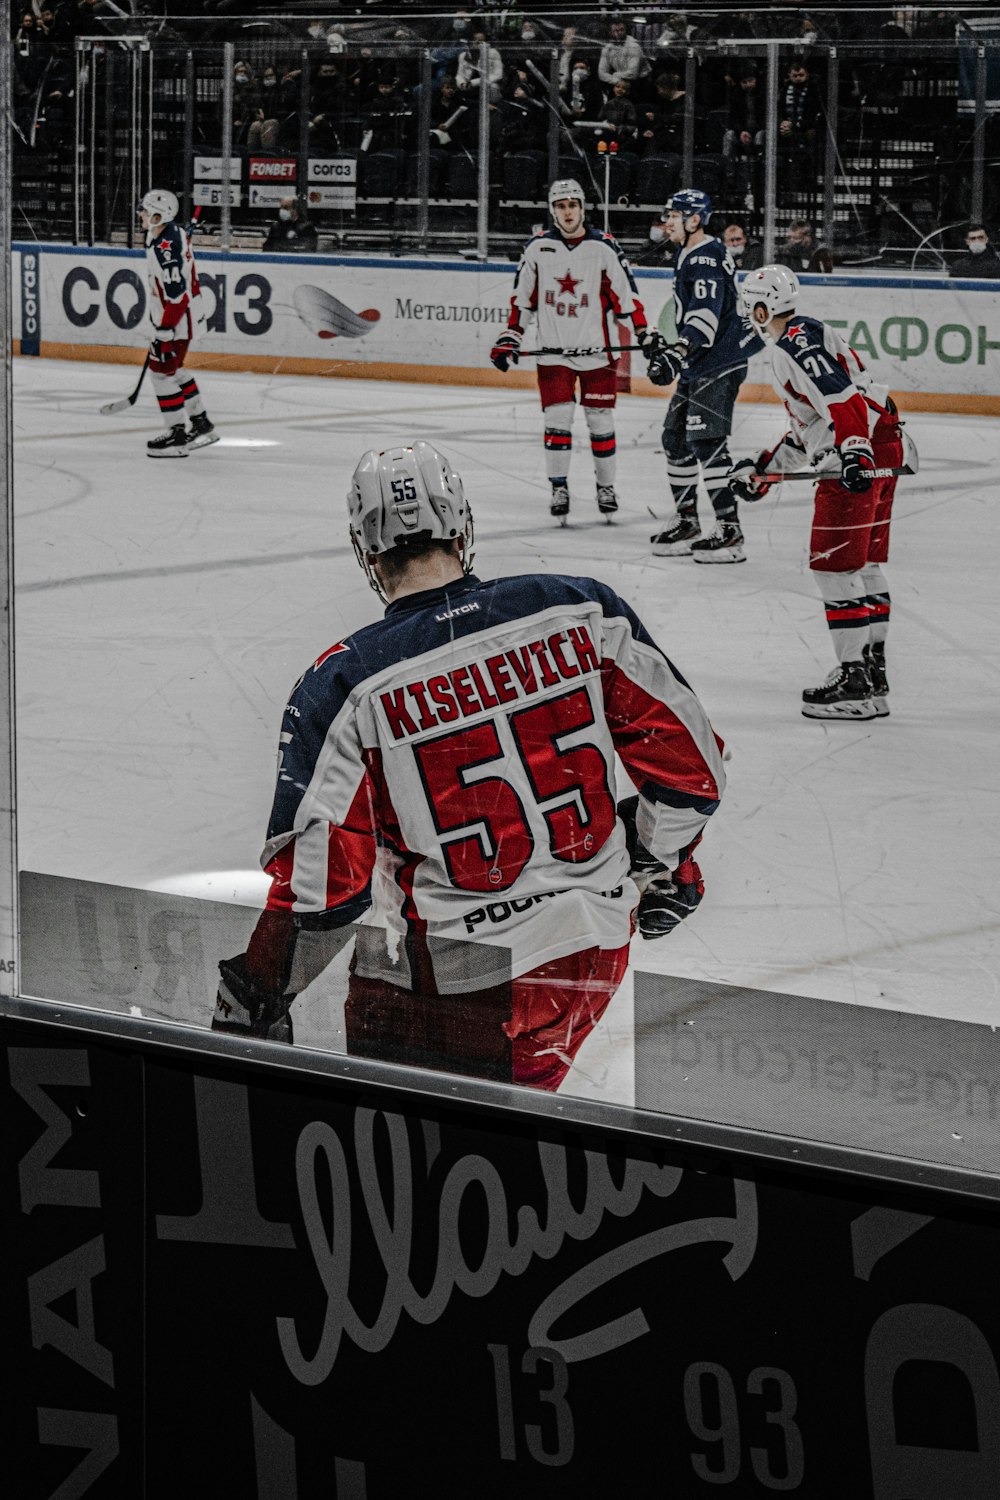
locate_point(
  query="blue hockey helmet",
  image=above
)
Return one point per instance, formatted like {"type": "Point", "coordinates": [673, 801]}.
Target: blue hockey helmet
{"type": "Point", "coordinates": [690, 201]}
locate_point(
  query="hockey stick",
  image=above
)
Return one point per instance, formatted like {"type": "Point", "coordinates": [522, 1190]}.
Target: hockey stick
{"type": "Point", "coordinates": [581, 353]}
{"type": "Point", "coordinates": [814, 474]}
{"type": "Point", "coordinates": [112, 408]}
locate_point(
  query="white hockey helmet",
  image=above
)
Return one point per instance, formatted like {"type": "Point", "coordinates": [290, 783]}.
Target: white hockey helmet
{"type": "Point", "coordinates": [403, 495]}
{"type": "Point", "coordinates": [776, 286]}
{"type": "Point", "coordinates": [161, 204]}
{"type": "Point", "coordinates": [566, 187]}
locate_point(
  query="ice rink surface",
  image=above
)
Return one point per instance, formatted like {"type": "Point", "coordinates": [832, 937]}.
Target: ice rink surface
{"type": "Point", "coordinates": [164, 609]}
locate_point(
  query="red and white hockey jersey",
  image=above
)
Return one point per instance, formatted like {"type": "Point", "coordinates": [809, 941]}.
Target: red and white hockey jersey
{"type": "Point", "coordinates": [450, 771]}
{"type": "Point", "coordinates": [826, 390]}
{"type": "Point", "coordinates": [574, 288]}
{"type": "Point", "coordinates": [173, 282]}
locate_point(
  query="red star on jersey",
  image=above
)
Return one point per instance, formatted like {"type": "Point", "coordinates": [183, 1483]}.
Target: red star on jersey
{"type": "Point", "coordinates": [165, 246]}
{"type": "Point", "coordinates": [568, 284]}
{"type": "Point", "coordinates": [333, 650]}
{"type": "Point", "coordinates": [794, 329]}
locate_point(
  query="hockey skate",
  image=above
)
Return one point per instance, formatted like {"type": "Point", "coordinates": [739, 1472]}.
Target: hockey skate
{"type": "Point", "coordinates": [559, 503]}
{"type": "Point", "coordinates": [723, 546]}
{"type": "Point", "coordinates": [172, 444]}
{"type": "Point", "coordinates": [201, 432]}
{"type": "Point", "coordinates": [678, 539]}
{"type": "Point", "coordinates": [607, 500]}
{"type": "Point", "coordinates": [846, 694]}
{"type": "Point", "coordinates": [875, 662]}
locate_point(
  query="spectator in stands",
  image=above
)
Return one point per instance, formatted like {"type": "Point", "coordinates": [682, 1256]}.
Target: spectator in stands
{"type": "Point", "coordinates": [291, 232]}
{"type": "Point", "coordinates": [524, 112]}
{"type": "Point", "coordinates": [246, 101]}
{"type": "Point", "coordinates": [328, 104]}
{"type": "Point", "coordinates": [801, 252]}
{"type": "Point", "coordinates": [798, 117]}
{"type": "Point", "coordinates": [389, 116]}
{"type": "Point", "coordinates": [32, 51]}
{"type": "Point", "coordinates": [449, 118]}
{"type": "Point", "coordinates": [743, 138]}
{"type": "Point", "coordinates": [584, 98]}
{"type": "Point", "coordinates": [748, 255]}
{"type": "Point", "coordinates": [619, 111]}
{"type": "Point", "coordinates": [981, 258]}
{"type": "Point", "coordinates": [467, 71]}
{"type": "Point", "coordinates": [265, 127]}
{"type": "Point", "coordinates": [450, 43]}
{"type": "Point", "coordinates": [568, 52]}
{"type": "Point", "coordinates": [361, 76]}
{"type": "Point", "coordinates": [677, 30]}
{"type": "Point", "coordinates": [533, 44]}
{"type": "Point", "coordinates": [663, 121]}
{"type": "Point", "coordinates": [622, 58]}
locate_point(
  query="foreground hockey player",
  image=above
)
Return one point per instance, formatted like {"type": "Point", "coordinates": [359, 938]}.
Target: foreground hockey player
{"type": "Point", "coordinates": [574, 281]}
{"type": "Point", "coordinates": [837, 412]}
{"type": "Point", "coordinates": [452, 767]}
{"type": "Point", "coordinates": [173, 300]}
{"type": "Point", "coordinates": [709, 363]}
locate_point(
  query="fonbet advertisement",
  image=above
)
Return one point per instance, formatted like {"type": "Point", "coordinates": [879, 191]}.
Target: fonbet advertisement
{"type": "Point", "coordinates": [918, 335]}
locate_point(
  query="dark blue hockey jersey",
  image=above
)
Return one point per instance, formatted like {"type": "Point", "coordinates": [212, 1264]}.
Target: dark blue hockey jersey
{"type": "Point", "coordinates": [707, 312]}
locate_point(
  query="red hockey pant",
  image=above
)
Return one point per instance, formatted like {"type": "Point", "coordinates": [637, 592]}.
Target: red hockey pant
{"type": "Point", "coordinates": [850, 530]}
{"type": "Point", "coordinates": [526, 1031]}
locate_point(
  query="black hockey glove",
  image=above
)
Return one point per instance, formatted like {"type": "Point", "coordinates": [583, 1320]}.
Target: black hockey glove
{"type": "Point", "coordinates": [667, 363]}
{"type": "Point", "coordinates": [665, 898]}
{"type": "Point", "coordinates": [856, 462]}
{"type": "Point", "coordinates": [505, 351]}
{"type": "Point", "coordinates": [747, 482]}
{"type": "Point", "coordinates": [651, 342]}
{"type": "Point", "coordinates": [244, 1009]}
{"type": "Point", "coordinates": [668, 899]}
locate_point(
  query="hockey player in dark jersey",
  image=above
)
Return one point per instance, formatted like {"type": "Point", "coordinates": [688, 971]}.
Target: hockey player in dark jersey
{"type": "Point", "coordinates": [573, 281]}
{"type": "Point", "coordinates": [837, 412]}
{"type": "Point", "coordinates": [173, 303]}
{"type": "Point", "coordinates": [709, 363]}
{"type": "Point", "coordinates": [447, 774]}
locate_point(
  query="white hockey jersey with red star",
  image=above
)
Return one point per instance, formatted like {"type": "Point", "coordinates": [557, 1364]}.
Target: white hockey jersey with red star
{"type": "Point", "coordinates": [173, 282]}
{"type": "Point", "coordinates": [450, 771]}
{"type": "Point", "coordinates": [827, 393]}
{"type": "Point", "coordinates": [575, 289]}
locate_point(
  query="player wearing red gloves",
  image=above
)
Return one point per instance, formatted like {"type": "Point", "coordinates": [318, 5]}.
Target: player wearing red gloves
{"type": "Point", "coordinates": [174, 305]}
{"type": "Point", "coordinates": [838, 415]}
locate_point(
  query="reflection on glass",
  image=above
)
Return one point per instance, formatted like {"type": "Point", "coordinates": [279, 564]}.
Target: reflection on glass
{"type": "Point", "coordinates": [164, 609]}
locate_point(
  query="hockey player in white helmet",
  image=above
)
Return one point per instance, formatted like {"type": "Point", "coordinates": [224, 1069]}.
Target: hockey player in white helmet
{"type": "Point", "coordinates": [709, 362]}
{"type": "Point", "coordinates": [174, 307]}
{"type": "Point", "coordinates": [838, 415]}
{"type": "Point", "coordinates": [447, 774]}
{"type": "Point", "coordinates": [574, 282]}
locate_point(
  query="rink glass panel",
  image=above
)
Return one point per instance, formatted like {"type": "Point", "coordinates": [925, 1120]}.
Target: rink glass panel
{"type": "Point", "coordinates": [892, 157]}
{"type": "Point", "coordinates": [909, 1086]}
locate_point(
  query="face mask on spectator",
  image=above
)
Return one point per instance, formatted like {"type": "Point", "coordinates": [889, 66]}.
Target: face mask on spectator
{"type": "Point", "coordinates": [527, 35]}
{"type": "Point", "coordinates": [976, 247]}
{"type": "Point", "coordinates": [284, 213]}
{"type": "Point", "coordinates": [241, 77]}
{"type": "Point", "coordinates": [459, 23]}
{"type": "Point", "coordinates": [657, 233]}
{"type": "Point", "coordinates": [270, 82]}
{"type": "Point", "coordinates": [581, 74]}
{"type": "Point", "coordinates": [316, 29]}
